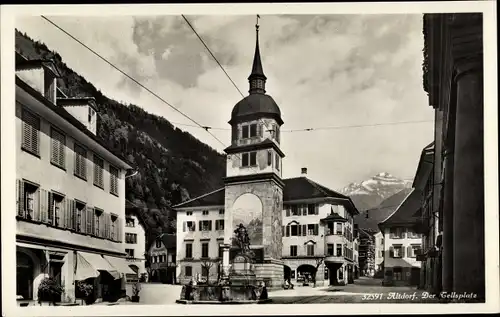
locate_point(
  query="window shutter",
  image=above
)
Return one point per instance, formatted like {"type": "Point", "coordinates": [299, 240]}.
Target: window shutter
{"type": "Point", "coordinates": [283, 231]}
{"type": "Point", "coordinates": [89, 220]}
{"type": "Point", "coordinates": [50, 214]}
{"type": "Point", "coordinates": [261, 129]}
{"type": "Point", "coordinates": [210, 225]}
{"type": "Point", "coordinates": [288, 212]}
{"type": "Point", "coordinates": [304, 210]}
{"type": "Point", "coordinates": [184, 226]}
{"type": "Point", "coordinates": [119, 225]}
{"type": "Point", "coordinates": [62, 213]}
{"type": "Point", "coordinates": [20, 197]}
{"type": "Point", "coordinates": [36, 213]}
{"type": "Point", "coordinates": [402, 252]}
{"type": "Point", "coordinates": [199, 223]}
{"type": "Point", "coordinates": [194, 225]}
{"type": "Point", "coordinates": [83, 220]}
{"type": "Point", "coordinates": [269, 157]}
{"type": "Point", "coordinates": [409, 249]}
{"type": "Point", "coordinates": [299, 230]}
{"type": "Point", "coordinates": [287, 231]}
{"type": "Point", "coordinates": [316, 229]}
{"type": "Point", "coordinates": [108, 226]}
{"type": "Point", "coordinates": [304, 230]}
{"type": "Point", "coordinates": [391, 252]}
{"type": "Point", "coordinates": [316, 209]}
{"type": "Point", "coordinates": [43, 206]}
{"type": "Point", "coordinates": [72, 214]}
{"type": "Point", "coordinates": [102, 225]}
{"type": "Point", "coordinates": [403, 233]}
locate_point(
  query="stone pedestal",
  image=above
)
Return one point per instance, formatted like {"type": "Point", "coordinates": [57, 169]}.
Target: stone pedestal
{"type": "Point", "coordinates": [225, 261]}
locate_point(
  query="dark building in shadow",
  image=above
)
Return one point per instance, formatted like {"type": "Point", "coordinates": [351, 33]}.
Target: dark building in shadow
{"type": "Point", "coordinates": [453, 78]}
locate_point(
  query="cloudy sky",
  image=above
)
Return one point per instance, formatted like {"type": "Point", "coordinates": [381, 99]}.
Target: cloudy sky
{"type": "Point", "coordinates": [323, 71]}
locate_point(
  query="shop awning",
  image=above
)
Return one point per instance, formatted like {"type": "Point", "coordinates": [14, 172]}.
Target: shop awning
{"type": "Point", "coordinates": [120, 264]}
{"type": "Point", "coordinates": [89, 264]}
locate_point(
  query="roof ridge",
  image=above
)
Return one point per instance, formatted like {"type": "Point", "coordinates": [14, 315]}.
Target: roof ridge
{"type": "Point", "coordinates": [196, 198]}
{"type": "Point", "coordinates": [399, 206]}
{"type": "Point", "coordinates": [322, 188]}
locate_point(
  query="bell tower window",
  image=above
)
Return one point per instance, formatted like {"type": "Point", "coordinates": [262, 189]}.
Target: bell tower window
{"type": "Point", "coordinates": [249, 159]}
{"type": "Point", "coordinates": [249, 131]}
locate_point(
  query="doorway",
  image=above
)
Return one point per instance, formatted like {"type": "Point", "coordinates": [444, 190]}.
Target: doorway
{"type": "Point", "coordinates": [287, 272]}
{"type": "Point", "coordinates": [24, 276]}
{"type": "Point", "coordinates": [415, 276]}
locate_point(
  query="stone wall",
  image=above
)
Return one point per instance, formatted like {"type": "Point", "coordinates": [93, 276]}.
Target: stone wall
{"type": "Point", "coordinates": [271, 273]}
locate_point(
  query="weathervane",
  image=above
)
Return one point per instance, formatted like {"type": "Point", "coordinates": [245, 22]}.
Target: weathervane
{"type": "Point", "coordinates": [257, 23]}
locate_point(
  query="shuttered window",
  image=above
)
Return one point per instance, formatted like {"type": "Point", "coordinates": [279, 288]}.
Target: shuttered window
{"type": "Point", "coordinates": [310, 250]}
{"type": "Point", "coordinates": [98, 222]}
{"type": "Point", "coordinates": [80, 162]}
{"type": "Point", "coordinates": [113, 187]}
{"type": "Point", "coordinates": [57, 145]}
{"type": "Point", "coordinates": [113, 232]}
{"type": "Point", "coordinates": [31, 132]}
{"type": "Point", "coordinates": [98, 171]}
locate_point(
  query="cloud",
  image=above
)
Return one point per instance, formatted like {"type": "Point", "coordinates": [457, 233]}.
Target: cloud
{"type": "Point", "coordinates": [323, 71]}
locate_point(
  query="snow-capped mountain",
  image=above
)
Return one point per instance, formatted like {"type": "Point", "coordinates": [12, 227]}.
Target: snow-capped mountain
{"type": "Point", "coordinates": [370, 193]}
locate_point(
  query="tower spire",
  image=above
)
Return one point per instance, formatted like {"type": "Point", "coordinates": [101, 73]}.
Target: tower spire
{"type": "Point", "coordinates": [257, 79]}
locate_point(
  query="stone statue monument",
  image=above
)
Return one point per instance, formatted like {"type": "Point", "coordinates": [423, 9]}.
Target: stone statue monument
{"type": "Point", "coordinates": [242, 239]}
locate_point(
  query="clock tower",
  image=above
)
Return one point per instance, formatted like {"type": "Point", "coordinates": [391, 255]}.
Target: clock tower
{"type": "Point", "coordinates": [253, 184]}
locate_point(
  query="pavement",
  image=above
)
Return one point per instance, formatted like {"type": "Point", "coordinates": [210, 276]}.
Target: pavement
{"type": "Point", "coordinates": [364, 290]}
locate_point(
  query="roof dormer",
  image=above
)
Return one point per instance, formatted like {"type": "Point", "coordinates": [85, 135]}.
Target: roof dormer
{"type": "Point", "coordinates": [40, 74]}
{"type": "Point", "coordinates": [84, 109]}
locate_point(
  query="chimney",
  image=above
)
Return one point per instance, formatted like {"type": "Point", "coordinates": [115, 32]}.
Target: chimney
{"type": "Point", "coordinates": [304, 171]}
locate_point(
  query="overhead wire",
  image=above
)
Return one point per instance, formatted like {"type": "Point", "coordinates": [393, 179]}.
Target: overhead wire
{"type": "Point", "coordinates": [197, 124]}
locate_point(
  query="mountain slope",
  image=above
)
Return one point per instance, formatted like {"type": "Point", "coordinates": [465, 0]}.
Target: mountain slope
{"type": "Point", "coordinates": [172, 165]}
{"type": "Point", "coordinates": [370, 193]}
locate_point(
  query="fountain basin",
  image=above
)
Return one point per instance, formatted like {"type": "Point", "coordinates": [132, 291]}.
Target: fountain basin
{"type": "Point", "coordinates": [219, 294]}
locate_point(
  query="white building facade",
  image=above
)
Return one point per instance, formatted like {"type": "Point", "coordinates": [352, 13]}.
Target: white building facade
{"type": "Point", "coordinates": [70, 189]}
{"type": "Point", "coordinates": [402, 244]}
{"type": "Point", "coordinates": [135, 244]}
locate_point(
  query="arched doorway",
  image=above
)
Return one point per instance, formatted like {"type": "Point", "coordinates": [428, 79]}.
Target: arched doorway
{"type": "Point", "coordinates": [287, 272]}
{"type": "Point", "coordinates": [24, 272]}
{"type": "Point", "coordinates": [305, 272]}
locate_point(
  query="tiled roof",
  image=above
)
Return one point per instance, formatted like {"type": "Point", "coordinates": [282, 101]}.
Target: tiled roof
{"type": "Point", "coordinates": [169, 240]}
{"type": "Point", "coordinates": [215, 198]}
{"type": "Point", "coordinates": [304, 188]}
{"type": "Point", "coordinates": [379, 214]}
{"type": "Point", "coordinates": [334, 216]}
{"type": "Point", "coordinates": [295, 189]}
{"type": "Point", "coordinates": [405, 214]}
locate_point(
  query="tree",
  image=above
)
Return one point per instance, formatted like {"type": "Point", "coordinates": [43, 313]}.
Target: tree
{"type": "Point", "coordinates": [319, 261]}
{"type": "Point", "coordinates": [206, 265]}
